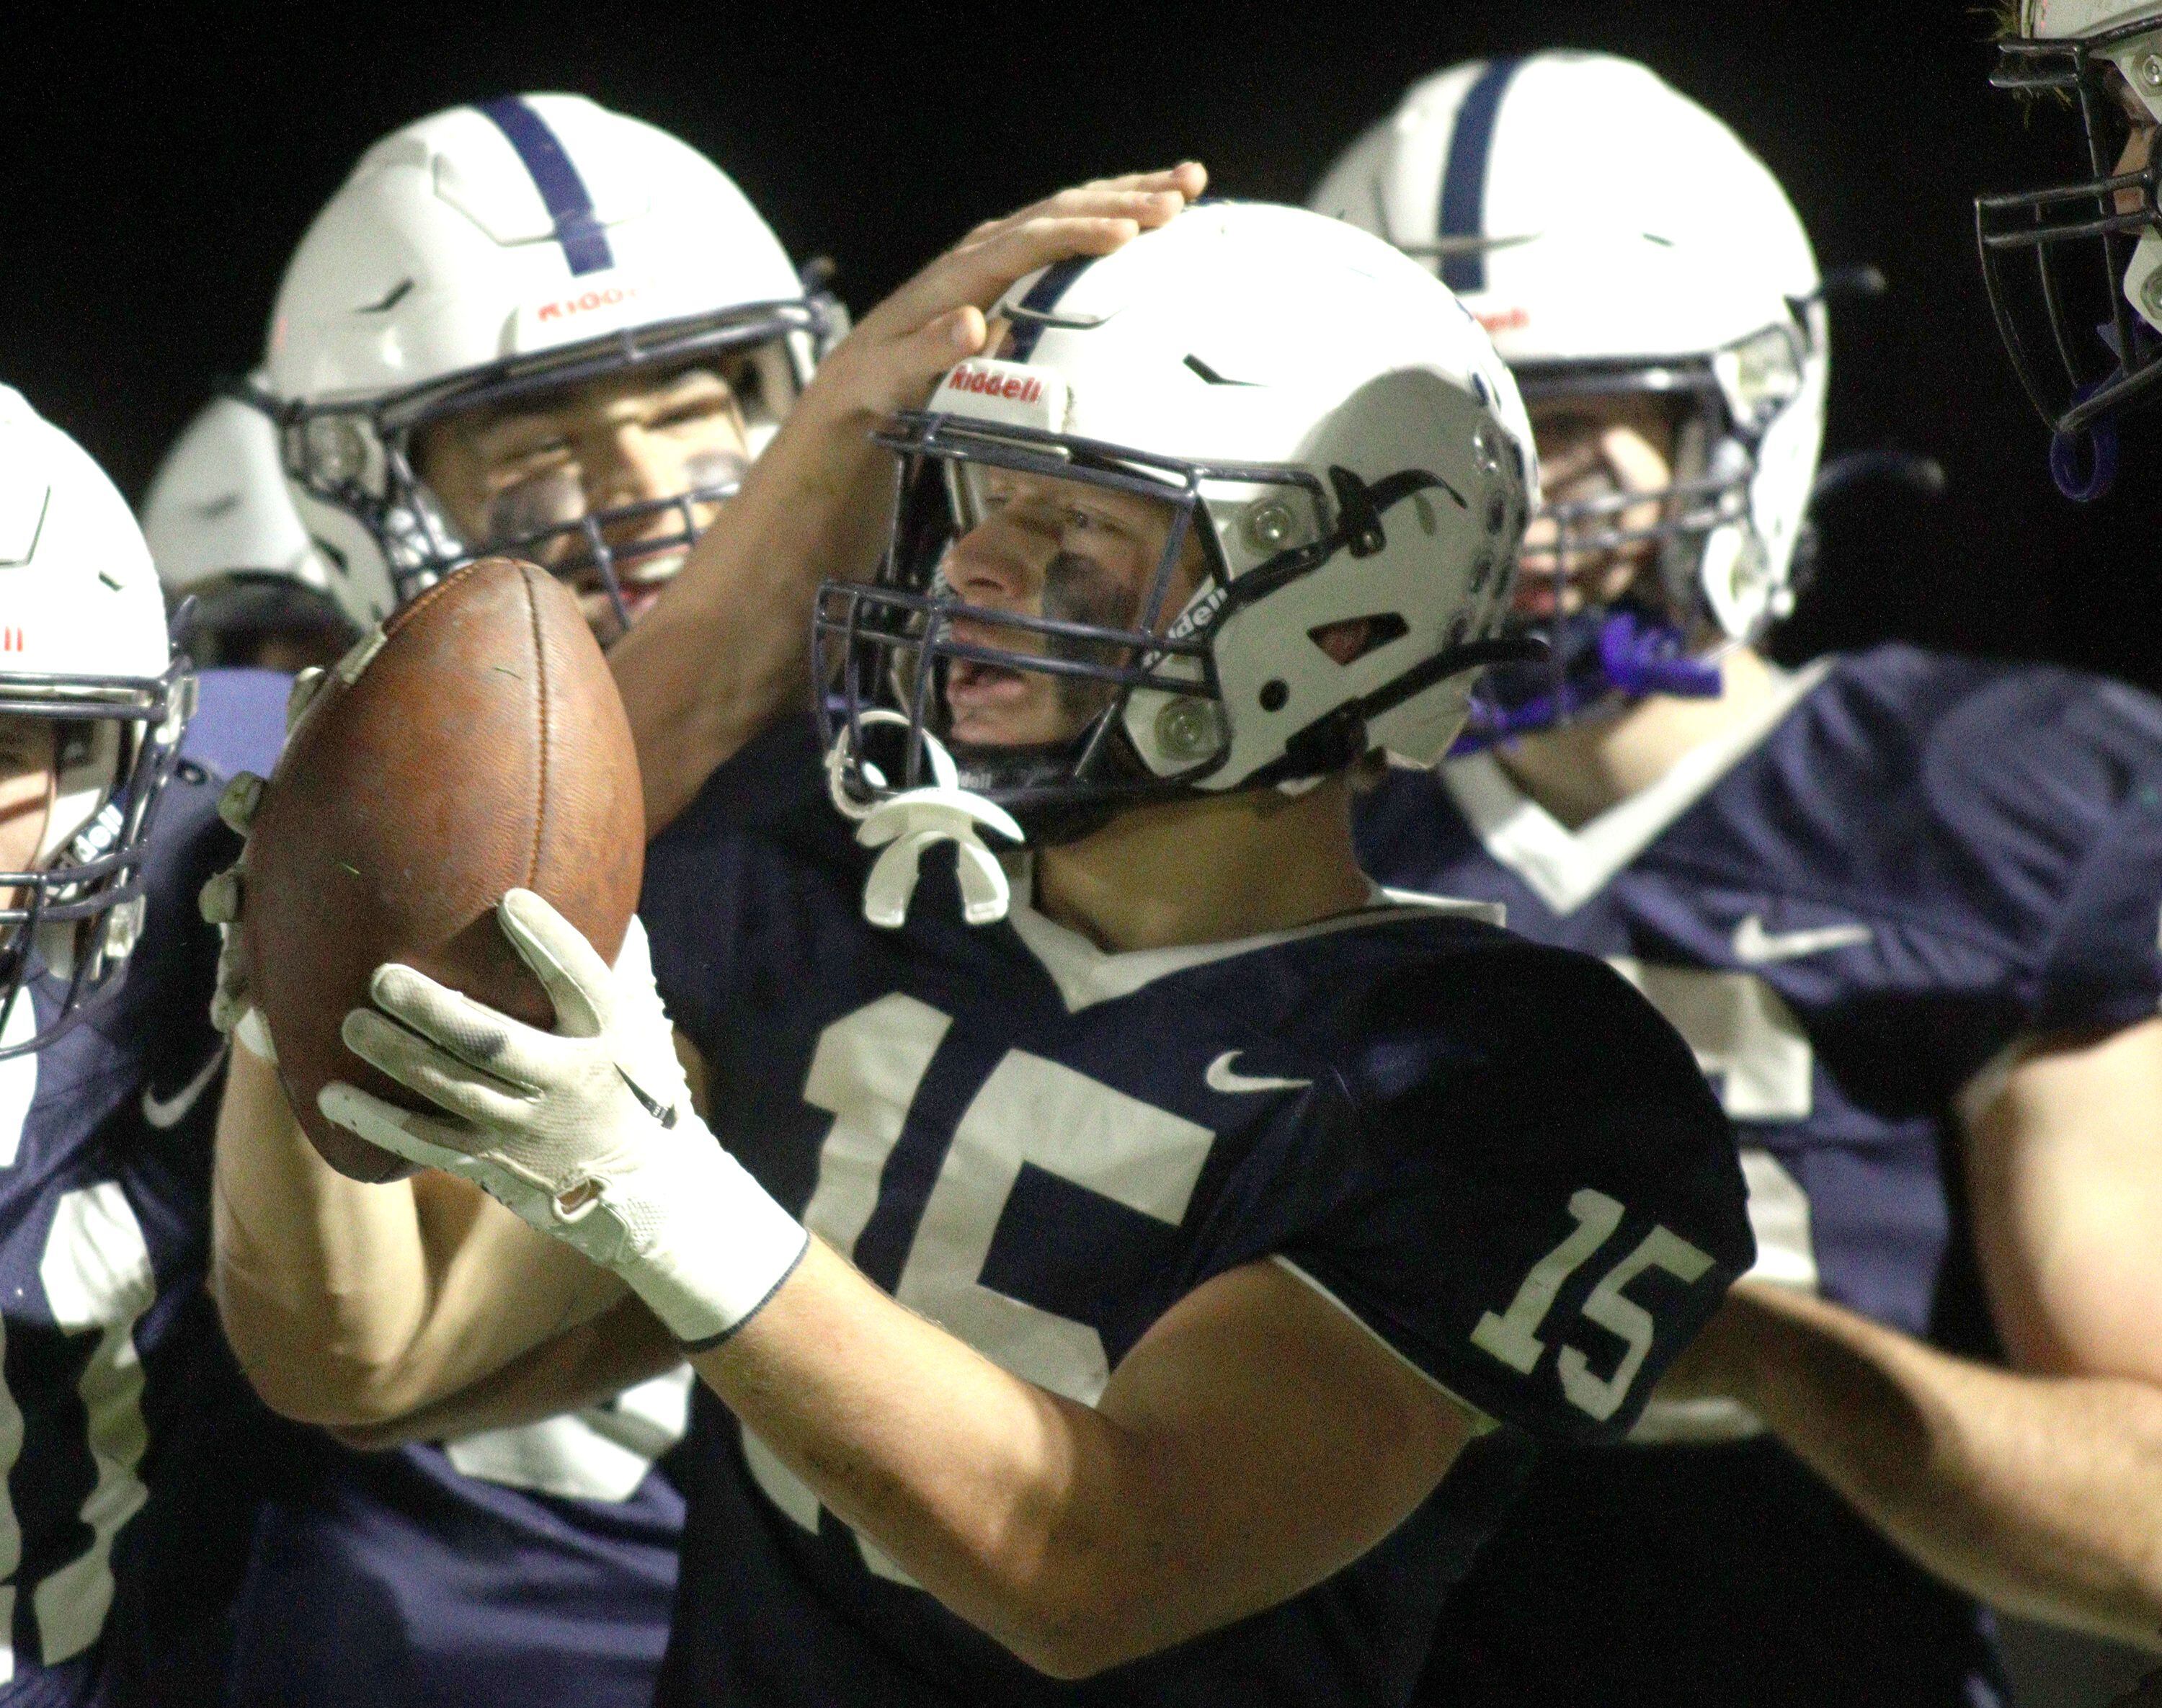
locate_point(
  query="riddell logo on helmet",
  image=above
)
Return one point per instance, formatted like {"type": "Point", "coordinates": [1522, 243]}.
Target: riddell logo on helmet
{"type": "Point", "coordinates": [1505, 320]}
{"type": "Point", "coordinates": [1199, 616]}
{"type": "Point", "coordinates": [607, 296]}
{"type": "Point", "coordinates": [1022, 388]}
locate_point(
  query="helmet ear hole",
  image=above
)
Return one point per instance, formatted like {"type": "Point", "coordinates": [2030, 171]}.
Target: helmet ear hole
{"type": "Point", "coordinates": [1351, 639]}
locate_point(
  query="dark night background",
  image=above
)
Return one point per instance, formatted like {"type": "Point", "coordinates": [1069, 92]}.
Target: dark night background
{"type": "Point", "coordinates": [160, 170]}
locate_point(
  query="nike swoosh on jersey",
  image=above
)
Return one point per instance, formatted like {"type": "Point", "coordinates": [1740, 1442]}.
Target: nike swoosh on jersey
{"type": "Point", "coordinates": [1221, 1077]}
{"type": "Point", "coordinates": [163, 1112]}
{"type": "Point", "coordinates": [1755, 946]}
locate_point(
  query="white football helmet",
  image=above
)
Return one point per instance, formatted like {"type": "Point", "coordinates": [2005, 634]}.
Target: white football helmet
{"type": "Point", "coordinates": [221, 530]}
{"type": "Point", "coordinates": [1611, 235]}
{"type": "Point", "coordinates": [1326, 419]}
{"type": "Point", "coordinates": [83, 644]}
{"type": "Point", "coordinates": [489, 253]}
{"type": "Point", "coordinates": [2074, 280]}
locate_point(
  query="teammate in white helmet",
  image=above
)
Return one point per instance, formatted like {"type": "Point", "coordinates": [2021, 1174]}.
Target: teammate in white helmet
{"type": "Point", "coordinates": [223, 534]}
{"type": "Point", "coordinates": [534, 326]}
{"type": "Point", "coordinates": [249, 594]}
{"type": "Point", "coordinates": [1902, 906]}
{"type": "Point", "coordinates": [1081, 1292]}
{"type": "Point", "coordinates": [133, 1449]}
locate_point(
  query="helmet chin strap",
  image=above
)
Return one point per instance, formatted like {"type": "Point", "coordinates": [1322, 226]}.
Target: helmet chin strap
{"type": "Point", "coordinates": [1620, 650]}
{"type": "Point", "coordinates": [2084, 463]}
{"type": "Point", "coordinates": [909, 825]}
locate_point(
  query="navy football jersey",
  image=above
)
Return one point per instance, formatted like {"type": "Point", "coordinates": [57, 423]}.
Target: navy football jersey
{"type": "Point", "coordinates": [239, 724]}
{"type": "Point", "coordinates": [1043, 1147]}
{"type": "Point", "coordinates": [129, 1443]}
{"type": "Point", "coordinates": [516, 1566]}
{"type": "Point", "coordinates": [513, 1566]}
{"type": "Point", "coordinates": [1850, 906]}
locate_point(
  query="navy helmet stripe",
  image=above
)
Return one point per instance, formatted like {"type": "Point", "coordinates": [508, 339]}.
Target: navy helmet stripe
{"type": "Point", "coordinates": [1464, 179]}
{"type": "Point", "coordinates": [1042, 297]}
{"type": "Point", "coordinates": [570, 205]}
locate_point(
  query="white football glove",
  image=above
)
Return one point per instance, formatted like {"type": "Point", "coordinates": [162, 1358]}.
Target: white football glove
{"type": "Point", "coordinates": [587, 1132]}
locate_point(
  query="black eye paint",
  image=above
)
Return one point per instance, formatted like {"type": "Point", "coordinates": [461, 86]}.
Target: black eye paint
{"type": "Point", "coordinates": [1078, 589]}
{"type": "Point", "coordinates": [533, 506]}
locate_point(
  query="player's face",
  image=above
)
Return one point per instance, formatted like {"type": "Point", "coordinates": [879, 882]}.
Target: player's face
{"type": "Point", "coordinates": [506, 473]}
{"type": "Point", "coordinates": [27, 780]}
{"type": "Point", "coordinates": [1594, 448]}
{"type": "Point", "coordinates": [1061, 549]}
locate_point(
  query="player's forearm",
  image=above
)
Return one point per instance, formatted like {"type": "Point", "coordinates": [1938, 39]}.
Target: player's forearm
{"type": "Point", "coordinates": [584, 1366]}
{"type": "Point", "coordinates": [726, 649]}
{"type": "Point", "coordinates": [2040, 1495]}
{"type": "Point", "coordinates": [320, 1281]}
{"type": "Point", "coordinates": [353, 1305]}
{"type": "Point", "coordinates": [1035, 1518]}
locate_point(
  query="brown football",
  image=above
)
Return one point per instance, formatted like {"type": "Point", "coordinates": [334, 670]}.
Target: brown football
{"type": "Point", "coordinates": [475, 744]}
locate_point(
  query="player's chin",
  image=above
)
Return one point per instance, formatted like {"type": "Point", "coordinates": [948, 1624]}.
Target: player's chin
{"type": "Point", "coordinates": [1021, 724]}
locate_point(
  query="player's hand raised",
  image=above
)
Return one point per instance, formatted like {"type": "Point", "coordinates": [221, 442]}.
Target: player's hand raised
{"type": "Point", "coordinates": [898, 351]}
{"type": "Point", "coordinates": [724, 650]}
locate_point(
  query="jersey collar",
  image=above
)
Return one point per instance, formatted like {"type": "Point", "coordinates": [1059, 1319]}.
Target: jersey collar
{"type": "Point", "coordinates": [1086, 976]}
{"type": "Point", "coordinates": [1566, 868]}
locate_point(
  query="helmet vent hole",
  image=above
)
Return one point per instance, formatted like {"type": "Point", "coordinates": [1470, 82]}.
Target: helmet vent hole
{"type": "Point", "coordinates": [1275, 696]}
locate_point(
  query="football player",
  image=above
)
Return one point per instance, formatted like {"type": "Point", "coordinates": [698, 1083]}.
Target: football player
{"type": "Point", "coordinates": [530, 326]}
{"type": "Point", "coordinates": [249, 595]}
{"type": "Point", "coordinates": [131, 1445]}
{"type": "Point", "coordinates": [1902, 904]}
{"type": "Point", "coordinates": [222, 533]}
{"type": "Point", "coordinates": [534, 326]}
{"type": "Point", "coordinates": [1135, 1230]}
